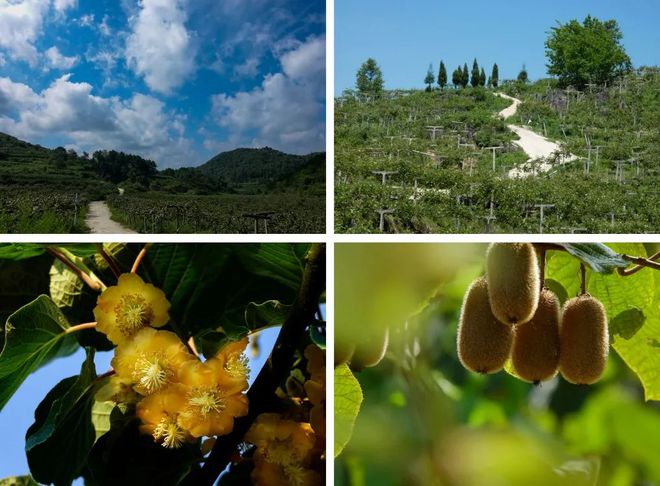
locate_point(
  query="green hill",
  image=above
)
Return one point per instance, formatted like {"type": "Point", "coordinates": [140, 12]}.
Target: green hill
{"type": "Point", "coordinates": [27, 165]}
{"type": "Point", "coordinates": [254, 166]}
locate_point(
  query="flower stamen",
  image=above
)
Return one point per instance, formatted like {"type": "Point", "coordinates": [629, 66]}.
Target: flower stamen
{"type": "Point", "coordinates": [207, 400]}
{"type": "Point", "coordinates": [133, 313]}
{"type": "Point", "coordinates": [170, 433]}
{"type": "Point", "coordinates": [238, 366]}
{"type": "Point", "coordinates": [151, 374]}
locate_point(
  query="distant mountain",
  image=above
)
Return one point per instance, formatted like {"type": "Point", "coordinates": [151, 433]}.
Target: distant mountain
{"type": "Point", "coordinates": [259, 166]}
{"type": "Point", "coordinates": [242, 170]}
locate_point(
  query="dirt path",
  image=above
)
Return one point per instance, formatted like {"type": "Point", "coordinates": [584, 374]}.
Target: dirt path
{"type": "Point", "coordinates": [99, 219]}
{"type": "Point", "coordinates": [535, 146]}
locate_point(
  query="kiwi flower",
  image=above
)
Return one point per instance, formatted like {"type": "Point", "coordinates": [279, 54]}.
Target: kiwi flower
{"type": "Point", "coordinates": [235, 363]}
{"type": "Point", "coordinates": [284, 450]}
{"type": "Point", "coordinates": [159, 413]}
{"type": "Point", "coordinates": [150, 360]}
{"type": "Point", "coordinates": [213, 397]}
{"type": "Point", "coordinates": [315, 387]}
{"type": "Point", "coordinates": [118, 389]}
{"type": "Point", "coordinates": [131, 305]}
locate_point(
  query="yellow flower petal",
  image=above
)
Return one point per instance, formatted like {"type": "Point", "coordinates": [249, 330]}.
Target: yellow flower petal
{"type": "Point", "coordinates": [130, 306]}
{"type": "Point", "coordinates": [151, 360]}
{"type": "Point", "coordinates": [159, 413]}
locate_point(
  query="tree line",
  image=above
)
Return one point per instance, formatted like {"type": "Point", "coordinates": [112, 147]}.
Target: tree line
{"type": "Point", "coordinates": [579, 54]}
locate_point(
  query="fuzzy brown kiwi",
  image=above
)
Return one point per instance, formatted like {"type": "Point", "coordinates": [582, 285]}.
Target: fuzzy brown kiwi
{"type": "Point", "coordinates": [584, 340]}
{"type": "Point", "coordinates": [370, 350]}
{"type": "Point", "coordinates": [483, 342]}
{"type": "Point", "coordinates": [514, 284]}
{"type": "Point", "coordinates": [535, 353]}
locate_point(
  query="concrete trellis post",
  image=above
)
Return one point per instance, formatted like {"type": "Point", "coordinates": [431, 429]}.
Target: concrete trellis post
{"type": "Point", "coordinates": [493, 150]}
{"type": "Point", "coordinates": [382, 213]}
{"type": "Point", "coordinates": [384, 174]}
{"type": "Point", "coordinates": [542, 208]}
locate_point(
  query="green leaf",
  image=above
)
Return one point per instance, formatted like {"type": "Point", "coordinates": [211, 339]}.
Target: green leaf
{"type": "Point", "coordinates": [282, 262]}
{"type": "Point", "coordinates": [101, 413]}
{"type": "Point", "coordinates": [34, 335]}
{"type": "Point", "coordinates": [564, 269]}
{"type": "Point", "coordinates": [348, 399]}
{"type": "Point", "coordinates": [600, 258]}
{"type": "Point", "coordinates": [126, 456]}
{"type": "Point", "coordinates": [20, 283]}
{"type": "Point", "coordinates": [632, 308]}
{"type": "Point", "coordinates": [317, 335]}
{"type": "Point", "coordinates": [20, 251]}
{"type": "Point", "coordinates": [210, 286]}
{"type": "Point", "coordinates": [271, 313]}
{"type": "Point", "coordinates": [76, 301]}
{"type": "Point", "coordinates": [59, 440]}
{"type": "Point", "coordinates": [18, 481]}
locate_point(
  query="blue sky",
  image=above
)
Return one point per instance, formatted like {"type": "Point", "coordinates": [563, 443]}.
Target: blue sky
{"type": "Point", "coordinates": [18, 414]}
{"type": "Point", "coordinates": [174, 80]}
{"type": "Point", "coordinates": [405, 37]}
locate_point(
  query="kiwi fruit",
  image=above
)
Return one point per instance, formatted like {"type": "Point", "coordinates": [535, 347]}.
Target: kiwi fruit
{"type": "Point", "coordinates": [370, 350]}
{"type": "Point", "coordinates": [514, 284]}
{"type": "Point", "coordinates": [535, 353]}
{"type": "Point", "coordinates": [483, 342]}
{"type": "Point", "coordinates": [584, 340]}
{"type": "Point", "coordinates": [343, 352]}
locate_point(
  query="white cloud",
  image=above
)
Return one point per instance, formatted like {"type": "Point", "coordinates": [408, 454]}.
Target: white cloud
{"type": "Point", "coordinates": [140, 124]}
{"type": "Point", "coordinates": [86, 20]}
{"type": "Point", "coordinates": [62, 5]}
{"type": "Point", "coordinates": [287, 110]}
{"type": "Point", "coordinates": [20, 25]}
{"type": "Point", "coordinates": [159, 47]}
{"type": "Point", "coordinates": [104, 28]}
{"type": "Point", "coordinates": [57, 60]}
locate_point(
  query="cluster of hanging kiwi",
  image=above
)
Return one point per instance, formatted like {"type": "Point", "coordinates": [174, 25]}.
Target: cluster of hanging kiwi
{"type": "Point", "coordinates": [509, 314]}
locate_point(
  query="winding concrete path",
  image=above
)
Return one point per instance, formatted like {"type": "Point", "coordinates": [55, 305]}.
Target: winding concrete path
{"type": "Point", "coordinates": [99, 220]}
{"type": "Point", "coordinates": [536, 146]}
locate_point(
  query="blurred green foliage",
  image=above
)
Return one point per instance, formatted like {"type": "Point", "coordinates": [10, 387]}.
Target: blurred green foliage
{"type": "Point", "coordinates": [426, 420]}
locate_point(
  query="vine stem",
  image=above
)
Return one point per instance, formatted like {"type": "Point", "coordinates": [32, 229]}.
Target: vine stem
{"type": "Point", "coordinates": [583, 279]}
{"type": "Point", "coordinates": [140, 257]}
{"type": "Point", "coordinates": [639, 264]}
{"type": "Point", "coordinates": [262, 395]}
{"type": "Point", "coordinates": [93, 284]}
{"type": "Point", "coordinates": [542, 265]}
{"type": "Point", "coordinates": [109, 260]}
{"type": "Point", "coordinates": [80, 327]}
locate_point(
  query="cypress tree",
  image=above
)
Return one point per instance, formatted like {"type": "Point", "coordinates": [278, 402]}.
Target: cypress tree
{"type": "Point", "coordinates": [474, 81]}
{"type": "Point", "coordinates": [442, 75]}
{"type": "Point", "coordinates": [428, 80]}
{"type": "Point", "coordinates": [466, 76]}
{"type": "Point", "coordinates": [495, 75]}
{"type": "Point", "coordinates": [522, 75]}
{"type": "Point", "coordinates": [482, 77]}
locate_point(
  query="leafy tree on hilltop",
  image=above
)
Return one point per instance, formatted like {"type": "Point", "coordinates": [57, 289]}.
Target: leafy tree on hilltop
{"type": "Point", "coordinates": [482, 77]}
{"type": "Point", "coordinates": [457, 77]}
{"type": "Point", "coordinates": [495, 75]}
{"type": "Point", "coordinates": [466, 76]}
{"type": "Point", "coordinates": [442, 75]}
{"type": "Point", "coordinates": [428, 80]}
{"type": "Point", "coordinates": [522, 75]}
{"type": "Point", "coordinates": [369, 79]}
{"type": "Point", "coordinates": [589, 52]}
{"type": "Point", "coordinates": [475, 74]}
